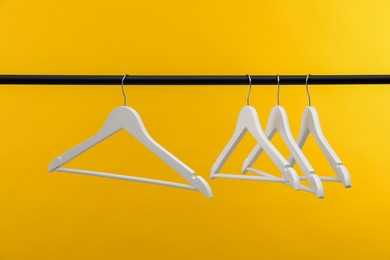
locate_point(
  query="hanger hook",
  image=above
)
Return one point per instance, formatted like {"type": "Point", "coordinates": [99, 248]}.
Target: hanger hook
{"type": "Point", "coordinates": [249, 90]}
{"type": "Point", "coordinates": [123, 90]}
{"type": "Point", "coordinates": [307, 88]}
{"type": "Point", "coordinates": [278, 95]}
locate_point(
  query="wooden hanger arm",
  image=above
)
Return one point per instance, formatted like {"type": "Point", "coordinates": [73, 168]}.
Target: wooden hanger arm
{"type": "Point", "coordinates": [81, 148]}
{"type": "Point", "coordinates": [311, 124]}
{"type": "Point", "coordinates": [227, 151]}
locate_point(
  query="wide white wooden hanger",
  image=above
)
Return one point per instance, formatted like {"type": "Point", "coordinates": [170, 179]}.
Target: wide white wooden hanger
{"type": "Point", "coordinates": [126, 118]}
{"type": "Point", "coordinates": [248, 120]}
{"type": "Point", "coordinates": [311, 124]}
{"type": "Point", "coordinates": [278, 122]}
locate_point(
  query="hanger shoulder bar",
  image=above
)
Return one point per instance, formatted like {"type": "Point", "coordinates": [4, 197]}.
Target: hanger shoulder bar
{"type": "Point", "coordinates": [127, 178]}
{"type": "Point", "coordinates": [191, 79]}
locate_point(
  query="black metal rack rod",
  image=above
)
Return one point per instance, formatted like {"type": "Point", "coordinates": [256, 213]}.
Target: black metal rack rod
{"type": "Point", "coordinates": [192, 79]}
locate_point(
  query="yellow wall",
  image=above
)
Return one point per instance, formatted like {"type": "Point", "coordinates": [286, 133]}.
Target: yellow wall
{"type": "Point", "coordinates": [65, 216]}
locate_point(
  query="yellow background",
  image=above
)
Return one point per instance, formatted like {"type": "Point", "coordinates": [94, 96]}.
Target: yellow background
{"type": "Point", "coordinates": [65, 216]}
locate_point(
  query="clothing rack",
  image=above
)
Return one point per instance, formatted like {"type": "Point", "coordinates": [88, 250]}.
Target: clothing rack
{"type": "Point", "coordinates": [191, 79]}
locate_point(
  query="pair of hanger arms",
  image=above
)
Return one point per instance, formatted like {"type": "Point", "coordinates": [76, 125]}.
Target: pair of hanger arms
{"type": "Point", "coordinates": [278, 122]}
{"type": "Point", "coordinates": [128, 119]}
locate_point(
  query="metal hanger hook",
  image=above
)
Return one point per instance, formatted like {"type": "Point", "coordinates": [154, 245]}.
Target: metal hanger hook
{"type": "Point", "coordinates": [123, 90]}
{"type": "Point", "coordinates": [249, 90]}
{"type": "Point", "coordinates": [307, 88]}
{"type": "Point", "coordinates": [278, 95]}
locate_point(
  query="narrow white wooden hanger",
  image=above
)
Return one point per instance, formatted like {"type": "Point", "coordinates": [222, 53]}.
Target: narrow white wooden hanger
{"type": "Point", "coordinates": [311, 124]}
{"type": "Point", "coordinates": [278, 122]}
{"type": "Point", "coordinates": [126, 118]}
{"type": "Point", "coordinates": [248, 120]}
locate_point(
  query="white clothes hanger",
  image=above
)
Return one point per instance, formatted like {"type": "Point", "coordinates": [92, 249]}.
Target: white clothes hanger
{"type": "Point", "coordinates": [311, 124]}
{"type": "Point", "coordinates": [248, 120]}
{"type": "Point", "coordinates": [278, 122]}
{"type": "Point", "coordinates": [126, 118]}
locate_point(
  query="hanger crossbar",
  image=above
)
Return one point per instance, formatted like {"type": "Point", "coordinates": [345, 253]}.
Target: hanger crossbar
{"type": "Point", "coordinates": [250, 169]}
{"type": "Point", "coordinates": [191, 79]}
{"type": "Point", "coordinates": [281, 180]}
{"type": "Point", "coordinates": [127, 178]}
{"type": "Point", "coordinates": [248, 178]}
{"type": "Point", "coordinates": [323, 178]}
